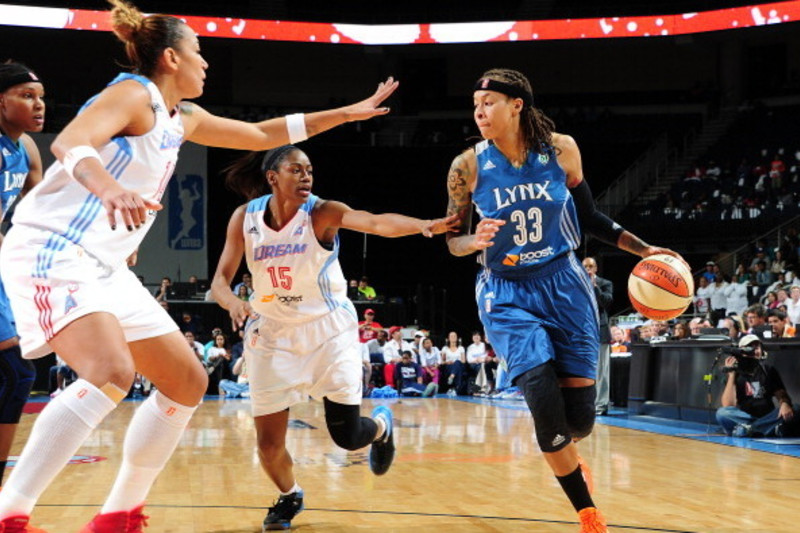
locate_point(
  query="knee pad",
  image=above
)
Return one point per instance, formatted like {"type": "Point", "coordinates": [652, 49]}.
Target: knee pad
{"type": "Point", "coordinates": [345, 425]}
{"type": "Point", "coordinates": [16, 380]}
{"type": "Point", "coordinates": [543, 396]}
{"type": "Point", "coordinates": [579, 406]}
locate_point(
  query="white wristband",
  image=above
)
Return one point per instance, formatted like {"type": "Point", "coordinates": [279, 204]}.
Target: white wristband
{"type": "Point", "coordinates": [77, 153]}
{"type": "Point", "coordinates": [296, 126]}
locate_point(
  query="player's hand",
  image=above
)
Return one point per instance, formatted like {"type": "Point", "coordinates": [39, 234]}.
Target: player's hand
{"type": "Point", "coordinates": [240, 312]}
{"type": "Point", "coordinates": [132, 207]}
{"type": "Point", "coordinates": [653, 250]}
{"type": "Point", "coordinates": [785, 411]}
{"type": "Point", "coordinates": [441, 225]}
{"type": "Point", "coordinates": [369, 108]}
{"type": "Point", "coordinates": [485, 231]}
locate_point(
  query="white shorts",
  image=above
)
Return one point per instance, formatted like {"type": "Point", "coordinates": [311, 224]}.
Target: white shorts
{"type": "Point", "coordinates": [49, 286]}
{"type": "Point", "coordinates": [286, 363]}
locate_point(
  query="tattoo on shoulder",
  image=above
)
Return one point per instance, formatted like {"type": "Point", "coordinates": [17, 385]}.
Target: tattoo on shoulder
{"type": "Point", "coordinates": [186, 108]}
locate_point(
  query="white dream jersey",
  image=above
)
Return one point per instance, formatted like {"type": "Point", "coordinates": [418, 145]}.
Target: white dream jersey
{"type": "Point", "coordinates": [295, 279]}
{"type": "Point", "coordinates": [62, 206]}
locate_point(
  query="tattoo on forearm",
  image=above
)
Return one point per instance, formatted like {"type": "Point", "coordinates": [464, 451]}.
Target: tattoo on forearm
{"type": "Point", "coordinates": [631, 243]}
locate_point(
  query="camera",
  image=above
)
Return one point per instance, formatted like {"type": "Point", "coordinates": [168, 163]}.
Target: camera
{"type": "Point", "coordinates": [745, 364]}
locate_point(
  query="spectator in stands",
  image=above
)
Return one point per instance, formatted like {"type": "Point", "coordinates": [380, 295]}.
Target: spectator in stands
{"type": "Point", "coordinates": [734, 325]}
{"type": "Point", "coordinates": [475, 357]}
{"type": "Point", "coordinates": [755, 315]}
{"type": "Point", "coordinates": [393, 353]}
{"type": "Point", "coordinates": [419, 335]}
{"type": "Point", "coordinates": [451, 369]}
{"type": "Point", "coordinates": [778, 264]}
{"type": "Point", "coordinates": [239, 388]}
{"type": "Point", "coordinates": [770, 301]}
{"type": "Point", "coordinates": [604, 296]}
{"type": "Point", "coordinates": [190, 322]}
{"type": "Point", "coordinates": [243, 293]}
{"type": "Point", "coordinates": [742, 273]}
{"type": "Point", "coordinates": [702, 296]}
{"type": "Point", "coordinates": [408, 376]}
{"type": "Point", "coordinates": [736, 295]}
{"type": "Point", "coordinates": [247, 281]}
{"type": "Point", "coordinates": [718, 301]}
{"type": "Point", "coordinates": [680, 331]}
{"type": "Point", "coordinates": [709, 271]}
{"type": "Point", "coordinates": [429, 358]}
{"type": "Point", "coordinates": [697, 324]}
{"type": "Point", "coordinates": [793, 305]}
{"type": "Point", "coordinates": [218, 354]}
{"type": "Point", "coordinates": [779, 283]}
{"type": "Point", "coordinates": [364, 289]}
{"type": "Point", "coordinates": [747, 400]}
{"type": "Point", "coordinates": [763, 279]}
{"type": "Point", "coordinates": [760, 255]}
{"type": "Point", "coordinates": [375, 349]}
{"type": "Point", "coordinates": [352, 290]}
{"type": "Point", "coordinates": [781, 327]}
{"type": "Point", "coordinates": [619, 340]}
{"type": "Point", "coordinates": [162, 293]}
{"type": "Point", "coordinates": [368, 328]}
{"type": "Point", "coordinates": [196, 347]}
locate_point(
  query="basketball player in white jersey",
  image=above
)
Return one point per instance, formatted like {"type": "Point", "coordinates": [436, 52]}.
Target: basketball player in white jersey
{"type": "Point", "coordinates": [64, 266]}
{"type": "Point", "coordinates": [303, 339]}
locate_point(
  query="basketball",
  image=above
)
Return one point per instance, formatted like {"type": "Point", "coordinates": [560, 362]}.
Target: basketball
{"type": "Point", "coordinates": [660, 287]}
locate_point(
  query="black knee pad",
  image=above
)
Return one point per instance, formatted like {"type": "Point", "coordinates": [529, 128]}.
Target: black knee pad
{"type": "Point", "coordinates": [348, 429]}
{"type": "Point", "coordinates": [16, 380]}
{"type": "Point", "coordinates": [580, 409]}
{"type": "Point", "coordinates": [543, 396]}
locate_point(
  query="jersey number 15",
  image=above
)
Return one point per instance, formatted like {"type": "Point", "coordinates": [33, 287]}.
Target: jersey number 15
{"type": "Point", "coordinates": [280, 277]}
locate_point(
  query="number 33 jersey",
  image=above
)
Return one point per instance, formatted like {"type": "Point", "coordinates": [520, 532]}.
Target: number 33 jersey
{"type": "Point", "coordinates": [541, 221]}
{"type": "Point", "coordinates": [295, 278]}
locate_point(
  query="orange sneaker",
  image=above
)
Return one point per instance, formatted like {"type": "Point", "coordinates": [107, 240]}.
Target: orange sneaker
{"type": "Point", "coordinates": [587, 474]}
{"type": "Point", "coordinates": [592, 521]}
{"type": "Point", "coordinates": [118, 522]}
{"type": "Point", "coordinates": [18, 524]}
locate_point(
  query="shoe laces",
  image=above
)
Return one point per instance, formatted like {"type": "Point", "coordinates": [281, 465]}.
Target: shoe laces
{"type": "Point", "coordinates": [285, 504]}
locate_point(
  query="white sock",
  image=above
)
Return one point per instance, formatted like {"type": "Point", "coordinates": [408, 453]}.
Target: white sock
{"type": "Point", "coordinates": [381, 428]}
{"type": "Point", "coordinates": [152, 436]}
{"type": "Point", "coordinates": [57, 434]}
{"type": "Point", "coordinates": [294, 489]}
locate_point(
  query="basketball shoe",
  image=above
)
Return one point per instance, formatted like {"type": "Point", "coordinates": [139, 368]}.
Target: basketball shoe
{"type": "Point", "coordinates": [118, 522]}
{"type": "Point", "coordinates": [592, 521]}
{"type": "Point", "coordinates": [381, 454]}
{"type": "Point", "coordinates": [285, 509]}
{"type": "Point", "coordinates": [18, 524]}
{"type": "Point", "coordinates": [587, 474]}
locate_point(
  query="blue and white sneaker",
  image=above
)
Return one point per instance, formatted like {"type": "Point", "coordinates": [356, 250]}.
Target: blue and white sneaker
{"type": "Point", "coordinates": [279, 516]}
{"type": "Point", "coordinates": [381, 454]}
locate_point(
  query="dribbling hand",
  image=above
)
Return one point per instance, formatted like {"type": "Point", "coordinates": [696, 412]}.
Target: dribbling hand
{"type": "Point", "coordinates": [368, 108]}
{"type": "Point", "coordinates": [132, 207]}
{"type": "Point", "coordinates": [485, 231]}
{"type": "Point", "coordinates": [240, 312]}
{"type": "Point", "coordinates": [653, 250]}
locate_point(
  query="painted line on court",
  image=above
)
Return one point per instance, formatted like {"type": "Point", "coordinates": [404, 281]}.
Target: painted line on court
{"type": "Point", "coordinates": [398, 513]}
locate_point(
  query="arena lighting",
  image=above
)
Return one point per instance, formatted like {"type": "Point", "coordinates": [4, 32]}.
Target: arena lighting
{"type": "Point", "coordinates": [467, 32]}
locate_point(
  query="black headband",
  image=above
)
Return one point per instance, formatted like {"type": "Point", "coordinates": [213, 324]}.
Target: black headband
{"type": "Point", "coordinates": [273, 155]}
{"type": "Point", "coordinates": [514, 91]}
{"type": "Point", "coordinates": [15, 74]}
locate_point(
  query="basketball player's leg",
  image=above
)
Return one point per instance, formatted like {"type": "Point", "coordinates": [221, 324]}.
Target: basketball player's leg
{"type": "Point", "coordinates": [272, 453]}
{"type": "Point", "coordinates": [94, 346]}
{"type": "Point", "coordinates": [157, 425]}
{"type": "Point", "coordinates": [16, 379]}
{"type": "Point", "coordinates": [348, 429]}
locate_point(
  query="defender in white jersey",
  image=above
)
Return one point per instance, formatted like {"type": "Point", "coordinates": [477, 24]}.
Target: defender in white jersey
{"type": "Point", "coordinates": [64, 262]}
{"type": "Point", "coordinates": [302, 336]}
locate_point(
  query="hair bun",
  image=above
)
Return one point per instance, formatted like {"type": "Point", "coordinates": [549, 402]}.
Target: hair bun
{"type": "Point", "coordinates": [126, 20]}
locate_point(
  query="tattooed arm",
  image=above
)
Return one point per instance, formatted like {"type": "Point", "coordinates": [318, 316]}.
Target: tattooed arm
{"type": "Point", "coordinates": [460, 184]}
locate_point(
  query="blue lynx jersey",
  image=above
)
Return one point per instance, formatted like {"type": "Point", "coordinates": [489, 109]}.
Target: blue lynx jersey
{"type": "Point", "coordinates": [541, 222]}
{"type": "Point", "coordinates": [14, 166]}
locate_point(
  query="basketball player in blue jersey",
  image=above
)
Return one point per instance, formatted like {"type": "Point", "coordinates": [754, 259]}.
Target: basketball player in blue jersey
{"type": "Point", "coordinates": [534, 298]}
{"type": "Point", "coordinates": [303, 339]}
{"type": "Point", "coordinates": [64, 262]}
{"type": "Point", "coordinates": [22, 110]}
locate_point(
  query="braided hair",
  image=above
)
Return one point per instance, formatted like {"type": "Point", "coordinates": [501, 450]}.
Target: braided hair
{"type": "Point", "coordinates": [537, 128]}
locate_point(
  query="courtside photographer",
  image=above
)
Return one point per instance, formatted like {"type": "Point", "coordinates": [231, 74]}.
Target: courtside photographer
{"type": "Point", "coordinates": [748, 409]}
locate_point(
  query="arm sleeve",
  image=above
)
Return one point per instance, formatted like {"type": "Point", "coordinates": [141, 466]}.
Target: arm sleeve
{"type": "Point", "coordinates": [592, 220]}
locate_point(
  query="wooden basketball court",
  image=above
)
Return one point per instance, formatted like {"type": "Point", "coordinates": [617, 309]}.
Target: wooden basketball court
{"type": "Point", "coordinates": [462, 466]}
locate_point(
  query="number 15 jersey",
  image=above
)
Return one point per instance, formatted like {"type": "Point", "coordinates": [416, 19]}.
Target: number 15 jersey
{"type": "Point", "coordinates": [295, 278]}
{"type": "Point", "coordinates": [541, 221]}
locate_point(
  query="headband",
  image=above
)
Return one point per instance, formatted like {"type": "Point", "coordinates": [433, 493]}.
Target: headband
{"type": "Point", "coordinates": [514, 91]}
{"type": "Point", "coordinates": [15, 74]}
{"type": "Point", "coordinates": [273, 155]}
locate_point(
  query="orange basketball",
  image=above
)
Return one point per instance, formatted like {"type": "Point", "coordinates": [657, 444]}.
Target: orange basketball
{"type": "Point", "coordinates": [660, 287]}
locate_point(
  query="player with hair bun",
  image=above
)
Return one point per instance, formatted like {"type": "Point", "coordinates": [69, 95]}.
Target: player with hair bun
{"type": "Point", "coordinates": [535, 300]}
{"type": "Point", "coordinates": [64, 263]}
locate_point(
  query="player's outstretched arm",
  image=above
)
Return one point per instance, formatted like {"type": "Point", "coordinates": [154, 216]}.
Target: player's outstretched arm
{"type": "Point", "coordinates": [228, 264]}
{"type": "Point", "coordinates": [204, 128]}
{"type": "Point", "coordinates": [333, 215]}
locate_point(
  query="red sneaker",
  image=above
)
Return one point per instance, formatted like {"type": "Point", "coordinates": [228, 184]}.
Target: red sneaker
{"type": "Point", "coordinates": [118, 522]}
{"type": "Point", "coordinates": [18, 524]}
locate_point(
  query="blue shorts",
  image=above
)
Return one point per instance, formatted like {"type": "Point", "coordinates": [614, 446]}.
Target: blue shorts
{"type": "Point", "coordinates": [549, 313]}
{"type": "Point", "coordinates": [8, 328]}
